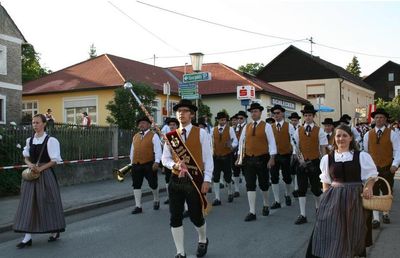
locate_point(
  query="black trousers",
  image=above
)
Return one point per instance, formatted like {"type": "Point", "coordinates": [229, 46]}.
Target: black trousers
{"type": "Point", "coordinates": [140, 171]}
{"type": "Point", "coordinates": [380, 185]}
{"type": "Point", "coordinates": [224, 164]}
{"type": "Point", "coordinates": [281, 162]}
{"type": "Point", "coordinates": [236, 170]}
{"type": "Point", "coordinates": [181, 190]}
{"type": "Point", "coordinates": [309, 175]}
{"type": "Point", "coordinates": [255, 168]}
{"type": "Point", "coordinates": [168, 173]}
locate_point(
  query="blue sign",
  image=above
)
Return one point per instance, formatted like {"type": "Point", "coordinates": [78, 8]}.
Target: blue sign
{"type": "Point", "coordinates": [245, 102]}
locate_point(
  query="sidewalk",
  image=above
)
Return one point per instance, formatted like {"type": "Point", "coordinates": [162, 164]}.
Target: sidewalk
{"type": "Point", "coordinates": [77, 198]}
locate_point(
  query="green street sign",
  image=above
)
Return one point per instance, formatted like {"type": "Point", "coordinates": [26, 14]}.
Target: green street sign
{"type": "Point", "coordinates": [193, 96]}
{"type": "Point", "coordinates": [197, 77]}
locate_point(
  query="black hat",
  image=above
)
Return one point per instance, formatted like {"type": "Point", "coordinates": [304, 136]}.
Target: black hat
{"type": "Point", "coordinates": [270, 120]}
{"type": "Point", "coordinates": [294, 115]}
{"type": "Point", "coordinates": [143, 118]}
{"type": "Point", "coordinates": [242, 113]}
{"type": "Point", "coordinates": [201, 121]}
{"type": "Point", "coordinates": [172, 120]}
{"type": "Point", "coordinates": [336, 123]}
{"type": "Point", "coordinates": [233, 117]}
{"type": "Point", "coordinates": [278, 107]}
{"type": "Point", "coordinates": [343, 120]}
{"type": "Point", "coordinates": [346, 116]}
{"type": "Point", "coordinates": [221, 115]}
{"type": "Point", "coordinates": [185, 103]}
{"type": "Point", "coordinates": [379, 111]}
{"type": "Point", "coordinates": [328, 121]}
{"type": "Point", "coordinates": [308, 108]}
{"type": "Point", "coordinates": [255, 106]}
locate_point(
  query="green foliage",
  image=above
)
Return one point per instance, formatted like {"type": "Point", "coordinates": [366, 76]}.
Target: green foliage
{"type": "Point", "coordinates": [225, 111]}
{"type": "Point", "coordinates": [392, 107]}
{"type": "Point", "coordinates": [125, 110]}
{"type": "Point", "coordinates": [354, 67]}
{"type": "Point", "coordinates": [31, 68]}
{"type": "Point", "coordinates": [92, 51]}
{"type": "Point", "coordinates": [204, 110]}
{"type": "Point", "coordinates": [251, 68]}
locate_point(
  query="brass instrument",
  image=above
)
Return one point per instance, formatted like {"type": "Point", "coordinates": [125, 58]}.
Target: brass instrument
{"type": "Point", "coordinates": [120, 173]}
{"type": "Point", "coordinates": [241, 152]}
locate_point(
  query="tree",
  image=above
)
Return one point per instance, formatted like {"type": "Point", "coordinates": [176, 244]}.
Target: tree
{"type": "Point", "coordinates": [392, 107]}
{"type": "Point", "coordinates": [124, 110]}
{"type": "Point", "coordinates": [92, 51]}
{"type": "Point", "coordinates": [31, 68]}
{"type": "Point", "coordinates": [251, 68]}
{"type": "Point", "coordinates": [204, 110]}
{"type": "Point", "coordinates": [354, 67]}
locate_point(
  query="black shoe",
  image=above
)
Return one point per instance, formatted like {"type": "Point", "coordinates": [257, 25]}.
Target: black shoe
{"type": "Point", "coordinates": [295, 193]}
{"type": "Point", "coordinates": [375, 224]}
{"type": "Point", "coordinates": [236, 194]}
{"type": "Point", "coordinates": [53, 239]}
{"type": "Point", "coordinates": [202, 249]}
{"type": "Point", "coordinates": [137, 210]}
{"type": "Point", "coordinates": [185, 214]}
{"type": "Point", "coordinates": [250, 217]}
{"type": "Point", "coordinates": [221, 186]}
{"type": "Point", "coordinates": [288, 200]}
{"type": "Point", "coordinates": [156, 206]}
{"type": "Point", "coordinates": [300, 220]}
{"type": "Point", "coordinates": [180, 256]}
{"type": "Point", "coordinates": [166, 201]}
{"type": "Point", "coordinates": [22, 244]}
{"type": "Point", "coordinates": [216, 202]}
{"type": "Point", "coordinates": [230, 198]}
{"type": "Point", "coordinates": [385, 219]}
{"type": "Point", "coordinates": [265, 211]}
{"type": "Point", "coordinates": [276, 205]}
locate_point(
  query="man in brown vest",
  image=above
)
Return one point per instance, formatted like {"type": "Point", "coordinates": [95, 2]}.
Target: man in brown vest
{"type": "Point", "coordinates": [180, 188]}
{"type": "Point", "coordinates": [328, 129]}
{"type": "Point", "coordinates": [242, 120]}
{"type": "Point", "coordinates": [311, 142]}
{"type": "Point", "coordinates": [295, 122]}
{"type": "Point", "coordinates": [384, 147]}
{"type": "Point", "coordinates": [283, 132]}
{"type": "Point", "coordinates": [224, 141]}
{"type": "Point", "coordinates": [258, 141]}
{"type": "Point", "coordinates": [145, 157]}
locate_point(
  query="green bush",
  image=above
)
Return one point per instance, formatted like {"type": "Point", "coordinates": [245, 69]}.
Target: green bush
{"type": "Point", "coordinates": [10, 182]}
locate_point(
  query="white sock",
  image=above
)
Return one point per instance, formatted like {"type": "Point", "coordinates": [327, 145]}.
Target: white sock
{"type": "Point", "coordinates": [27, 237]}
{"type": "Point", "coordinates": [216, 191]}
{"type": "Point", "coordinates": [287, 189]}
{"type": "Point", "coordinates": [166, 189]}
{"type": "Point", "coordinates": [302, 202]}
{"type": "Point", "coordinates": [178, 236]}
{"type": "Point", "coordinates": [138, 197]}
{"type": "Point", "coordinates": [251, 196]}
{"type": "Point", "coordinates": [296, 186]}
{"type": "Point", "coordinates": [155, 195]}
{"type": "Point", "coordinates": [317, 200]}
{"type": "Point", "coordinates": [385, 213]}
{"type": "Point", "coordinates": [376, 215]}
{"type": "Point", "coordinates": [202, 233]}
{"type": "Point", "coordinates": [275, 191]}
{"type": "Point", "coordinates": [186, 207]}
{"type": "Point", "coordinates": [230, 188]}
{"type": "Point", "coordinates": [236, 181]}
{"type": "Point", "coordinates": [265, 198]}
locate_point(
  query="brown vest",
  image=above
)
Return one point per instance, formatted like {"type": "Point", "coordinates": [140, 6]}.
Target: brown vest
{"type": "Point", "coordinates": [194, 145]}
{"type": "Point", "coordinates": [282, 139]}
{"type": "Point", "coordinates": [143, 148]}
{"type": "Point", "coordinates": [256, 145]}
{"type": "Point", "coordinates": [330, 142]}
{"type": "Point", "coordinates": [309, 145]}
{"type": "Point", "coordinates": [381, 153]}
{"type": "Point", "coordinates": [221, 140]}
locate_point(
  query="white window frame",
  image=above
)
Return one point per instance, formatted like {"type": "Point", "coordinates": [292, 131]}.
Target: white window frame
{"type": "Point", "coordinates": [396, 90]}
{"type": "Point", "coordinates": [32, 101]}
{"type": "Point", "coordinates": [4, 115]}
{"type": "Point", "coordinates": [158, 110]}
{"type": "Point", "coordinates": [3, 60]}
{"type": "Point", "coordinates": [82, 98]}
{"type": "Point", "coordinates": [390, 77]}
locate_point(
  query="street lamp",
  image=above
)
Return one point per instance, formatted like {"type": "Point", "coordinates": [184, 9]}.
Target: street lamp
{"type": "Point", "coordinates": [197, 61]}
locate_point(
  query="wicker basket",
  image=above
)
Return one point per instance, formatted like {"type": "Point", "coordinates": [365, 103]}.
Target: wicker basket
{"type": "Point", "coordinates": [379, 203]}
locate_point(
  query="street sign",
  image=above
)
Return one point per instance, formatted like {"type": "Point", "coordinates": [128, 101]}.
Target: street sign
{"type": "Point", "coordinates": [245, 92]}
{"type": "Point", "coordinates": [197, 77]}
{"type": "Point", "coordinates": [188, 89]}
{"type": "Point", "coordinates": [166, 88]}
{"type": "Point", "coordinates": [245, 102]}
{"type": "Point", "coordinates": [193, 96]}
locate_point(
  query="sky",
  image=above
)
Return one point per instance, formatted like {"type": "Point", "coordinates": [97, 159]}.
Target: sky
{"type": "Point", "coordinates": [62, 31]}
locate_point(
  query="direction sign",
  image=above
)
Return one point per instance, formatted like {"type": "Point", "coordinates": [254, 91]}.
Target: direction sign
{"type": "Point", "coordinates": [197, 77]}
{"type": "Point", "coordinates": [194, 96]}
{"type": "Point", "coordinates": [188, 89]}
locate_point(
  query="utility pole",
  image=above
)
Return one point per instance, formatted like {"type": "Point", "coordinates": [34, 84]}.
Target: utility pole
{"type": "Point", "coordinates": [311, 44]}
{"type": "Point", "coordinates": [154, 59]}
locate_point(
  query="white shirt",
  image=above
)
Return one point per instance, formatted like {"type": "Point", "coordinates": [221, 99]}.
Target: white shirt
{"type": "Point", "coordinates": [205, 141]}
{"type": "Point", "coordinates": [394, 138]}
{"type": "Point", "coordinates": [368, 168]}
{"type": "Point", "coordinates": [321, 135]}
{"type": "Point", "coordinates": [232, 136]}
{"type": "Point", "coordinates": [165, 129]}
{"type": "Point", "coordinates": [53, 147]}
{"type": "Point", "coordinates": [156, 147]}
{"type": "Point", "coordinates": [272, 150]}
{"type": "Point", "coordinates": [357, 136]}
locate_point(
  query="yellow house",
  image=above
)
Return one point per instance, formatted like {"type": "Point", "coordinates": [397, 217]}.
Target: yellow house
{"type": "Point", "coordinates": [89, 86]}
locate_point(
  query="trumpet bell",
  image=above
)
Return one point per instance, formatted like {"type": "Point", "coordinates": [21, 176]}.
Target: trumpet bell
{"type": "Point", "coordinates": [120, 173]}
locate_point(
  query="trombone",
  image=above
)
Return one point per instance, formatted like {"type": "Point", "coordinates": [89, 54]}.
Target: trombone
{"type": "Point", "coordinates": [120, 173]}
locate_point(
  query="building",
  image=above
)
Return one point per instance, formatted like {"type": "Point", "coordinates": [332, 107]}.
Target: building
{"type": "Point", "coordinates": [385, 81]}
{"type": "Point", "coordinates": [320, 82]}
{"type": "Point", "coordinates": [11, 40]}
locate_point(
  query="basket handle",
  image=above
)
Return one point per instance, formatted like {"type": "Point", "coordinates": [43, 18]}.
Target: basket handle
{"type": "Point", "coordinates": [379, 177]}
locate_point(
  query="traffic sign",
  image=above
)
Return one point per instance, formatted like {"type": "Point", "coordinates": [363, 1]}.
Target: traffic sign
{"type": "Point", "coordinates": [245, 92]}
{"type": "Point", "coordinates": [193, 96]}
{"type": "Point", "coordinates": [245, 102]}
{"type": "Point", "coordinates": [188, 89]}
{"type": "Point", "coordinates": [197, 77]}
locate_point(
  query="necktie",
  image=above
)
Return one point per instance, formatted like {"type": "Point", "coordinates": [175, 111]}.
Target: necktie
{"type": "Point", "coordinates": [254, 129]}
{"type": "Point", "coordinates": [308, 130]}
{"type": "Point", "coordinates": [141, 135]}
{"type": "Point", "coordinates": [220, 133]}
{"type": "Point", "coordinates": [379, 133]}
{"type": "Point", "coordinates": [184, 134]}
{"type": "Point", "coordinates": [279, 127]}
{"type": "Point", "coordinates": [328, 137]}
{"type": "Point", "coordinates": [240, 128]}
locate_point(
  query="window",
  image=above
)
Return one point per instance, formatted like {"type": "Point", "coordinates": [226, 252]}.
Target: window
{"type": "Point", "coordinates": [3, 60]}
{"type": "Point", "coordinates": [396, 90]}
{"type": "Point", "coordinates": [390, 77]}
{"type": "Point", "coordinates": [29, 109]}
{"type": "Point", "coordinates": [2, 109]}
{"type": "Point", "coordinates": [73, 109]}
{"type": "Point", "coordinates": [316, 99]}
{"type": "Point", "coordinates": [156, 111]}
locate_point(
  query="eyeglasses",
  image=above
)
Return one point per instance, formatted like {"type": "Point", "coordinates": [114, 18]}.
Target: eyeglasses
{"type": "Point", "coordinates": [240, 118]}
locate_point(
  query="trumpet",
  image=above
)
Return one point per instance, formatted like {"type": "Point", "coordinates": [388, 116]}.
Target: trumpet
{"type": "Point", "coordinates": [120, 173]}
{"type": "Point", "coordinates": [241, 152]}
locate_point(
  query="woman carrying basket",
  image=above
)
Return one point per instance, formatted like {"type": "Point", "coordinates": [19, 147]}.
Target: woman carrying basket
{"type": "Point", "coordinates": [341, 225]}
{"type": "Point", "coordinates": [40, 209]}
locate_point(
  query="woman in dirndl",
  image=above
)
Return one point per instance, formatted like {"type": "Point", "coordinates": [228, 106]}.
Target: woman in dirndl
{"type": "Point", "coordinates": [40, 209]}
{"type": "Point", "coordinates": [343, 227]}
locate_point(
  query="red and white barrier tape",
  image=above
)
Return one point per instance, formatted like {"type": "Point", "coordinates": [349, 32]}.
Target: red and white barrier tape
{"type": "Point", "coordinates": [68, 162]}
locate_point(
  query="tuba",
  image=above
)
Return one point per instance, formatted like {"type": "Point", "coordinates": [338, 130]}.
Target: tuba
{"type": "Point", "coordinates": [120, 173]}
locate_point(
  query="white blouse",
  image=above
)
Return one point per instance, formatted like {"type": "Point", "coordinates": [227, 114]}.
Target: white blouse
{"type": "Point", "coordinates": [53, 147]}
{"type": "Point", "coordinates": [368, 168]}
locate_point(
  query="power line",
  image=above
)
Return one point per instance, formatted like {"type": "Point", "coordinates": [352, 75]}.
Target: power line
{"type": "Point", "coordinates": [354, 52]}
